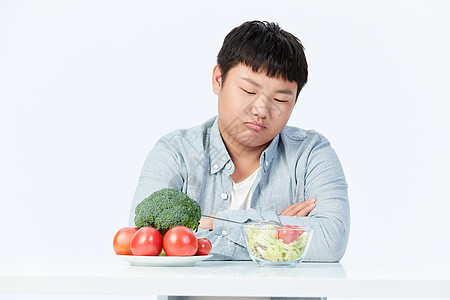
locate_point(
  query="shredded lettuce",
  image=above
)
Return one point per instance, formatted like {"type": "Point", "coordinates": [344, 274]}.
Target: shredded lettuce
{"type": "Point", "coordinates": [265, 245]}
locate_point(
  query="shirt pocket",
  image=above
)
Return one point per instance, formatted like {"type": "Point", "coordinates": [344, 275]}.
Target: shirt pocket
{"type": "Point", "coordinates": [194, 193]}
{"type": "Point", "coordinates": [193, 187]}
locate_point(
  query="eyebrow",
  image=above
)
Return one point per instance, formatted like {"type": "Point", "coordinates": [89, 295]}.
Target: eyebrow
{"type": "Point", "coordinates": [287, 92]}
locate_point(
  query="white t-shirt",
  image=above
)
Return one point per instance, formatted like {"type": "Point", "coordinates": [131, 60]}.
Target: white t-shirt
{"type": "Point", "coordinates": [241, 193]}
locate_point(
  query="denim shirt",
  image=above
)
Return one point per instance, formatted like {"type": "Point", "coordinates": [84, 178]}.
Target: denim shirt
{"type": "Point", "coordinates": [296, 166]}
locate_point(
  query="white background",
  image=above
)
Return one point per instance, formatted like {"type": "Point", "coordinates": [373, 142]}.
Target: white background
{"type": "Point", "coordinates": [87, 87]}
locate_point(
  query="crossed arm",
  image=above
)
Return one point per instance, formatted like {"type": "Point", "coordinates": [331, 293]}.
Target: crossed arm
{"type": "Point", "coordinates": [301, 209]}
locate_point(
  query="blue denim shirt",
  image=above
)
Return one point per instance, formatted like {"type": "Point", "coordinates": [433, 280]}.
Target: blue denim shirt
{"type": "Point", "coordinates": [296, 166]}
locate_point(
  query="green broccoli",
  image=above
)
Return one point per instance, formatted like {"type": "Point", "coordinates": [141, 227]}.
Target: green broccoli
{"type": "Point", "coordinates": [168, 208]}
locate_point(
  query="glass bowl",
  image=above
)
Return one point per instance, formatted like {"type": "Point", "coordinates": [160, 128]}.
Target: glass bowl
{"type": "Point", "coordinates": [275, 246]}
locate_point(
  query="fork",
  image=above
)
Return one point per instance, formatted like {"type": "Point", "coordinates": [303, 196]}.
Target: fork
{"type": "Point", "coordinates": [265, 222]}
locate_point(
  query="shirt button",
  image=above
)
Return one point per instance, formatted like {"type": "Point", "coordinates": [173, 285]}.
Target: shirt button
{"type": "Point", "coordinates": [224, 196]}
{"type": "Point", "coordinates": [228, 166]}
{"type": "Point", "coordinates": [224, 232]}
{"type": "Point", "coordinates": [215, 167]}
{"type": "Point", "coordinates": [267, 164]}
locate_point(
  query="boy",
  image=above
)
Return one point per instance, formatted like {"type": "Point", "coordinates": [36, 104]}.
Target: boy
{"type": "Point", "coordinates": [246, 164]}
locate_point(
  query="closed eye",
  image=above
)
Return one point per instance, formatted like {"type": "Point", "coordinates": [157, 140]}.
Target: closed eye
{"type": "Point", "coordinates": [279, 100]}
{"type": "Point", "coordinates": [248, 92]}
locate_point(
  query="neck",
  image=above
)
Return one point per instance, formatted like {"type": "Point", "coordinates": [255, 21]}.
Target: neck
{"type": "Point", "coordinates": [245, 153]}
{"type": "Point", "coordinates": [246, 159]}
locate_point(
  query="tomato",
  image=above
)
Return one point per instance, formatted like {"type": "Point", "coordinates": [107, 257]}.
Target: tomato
{"type": "Point", "coordinates": [146, 241]}
{"type": "Point", "coordinates": [204, 247]}
{"type": "Point", "coordinates": [289, 233]}
{"type": "Point", "coordinates": [122, 240]}
{"type": "Point", "coordinates": [180, 241]}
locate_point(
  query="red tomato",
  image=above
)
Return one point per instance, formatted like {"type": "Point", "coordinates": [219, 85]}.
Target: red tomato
{"type": "Point", "coordinates": [146, 241]}
{"type": "Point", "coordinates": [204, 247]}
{"type": "Point", "coordinates": [122, 240]}
{"type": "Point", "coordinates": [288, 234]}
{"type": "Point", "coordinates": [180, 241]}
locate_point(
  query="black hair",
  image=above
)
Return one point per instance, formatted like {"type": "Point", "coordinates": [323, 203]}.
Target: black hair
{"type": "Point", "coordinates": [265, 46]}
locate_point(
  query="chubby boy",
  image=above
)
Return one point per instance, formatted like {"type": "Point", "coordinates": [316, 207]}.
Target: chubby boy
{"type": "Point", "coordinates": [245, 163]}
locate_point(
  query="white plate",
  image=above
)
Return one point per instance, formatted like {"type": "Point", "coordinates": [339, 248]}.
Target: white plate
{"type": "Point", "coordinates": [163, 261]}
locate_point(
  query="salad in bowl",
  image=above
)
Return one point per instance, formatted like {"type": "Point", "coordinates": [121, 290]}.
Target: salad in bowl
{"type": "Point", "coordinates": [270, 245]}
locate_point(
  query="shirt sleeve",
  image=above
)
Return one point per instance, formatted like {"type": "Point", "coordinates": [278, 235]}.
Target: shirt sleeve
{"type": "Point", "coordinates": [323, 179]}
{"type": "Point", "coordinates": [161, 169]}
{"type": "Point", "coordinates": [228, 238]}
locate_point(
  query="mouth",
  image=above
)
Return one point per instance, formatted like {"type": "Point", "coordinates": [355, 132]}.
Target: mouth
{"type": "Point", "coordinates": [257, 126]}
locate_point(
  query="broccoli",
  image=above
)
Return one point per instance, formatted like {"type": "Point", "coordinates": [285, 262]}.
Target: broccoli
{"type": "Point", "coordinates": [168, 208]}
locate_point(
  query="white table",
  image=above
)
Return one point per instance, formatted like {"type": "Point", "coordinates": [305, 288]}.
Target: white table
{"type": "Point", "coordinates": [227, 279]}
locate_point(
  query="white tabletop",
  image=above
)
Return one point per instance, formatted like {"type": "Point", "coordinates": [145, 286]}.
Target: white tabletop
{"type": "Point", "coordinates": [227, 278]}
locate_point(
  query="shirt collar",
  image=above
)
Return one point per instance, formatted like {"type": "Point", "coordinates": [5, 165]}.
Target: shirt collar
{"type": "Point", "coordinates": [269, 153]}
{"type": "Point", "coordinates": [218, 154]}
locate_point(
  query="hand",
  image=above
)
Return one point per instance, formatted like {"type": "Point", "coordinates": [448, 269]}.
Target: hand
{"type": "Point", "coordinates": [206, 223]}
{"type": "Point", "coordinates": [301, 209]}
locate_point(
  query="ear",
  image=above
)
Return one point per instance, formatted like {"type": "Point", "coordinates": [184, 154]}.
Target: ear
{"type": "Point", "coordinates": [217, 79]}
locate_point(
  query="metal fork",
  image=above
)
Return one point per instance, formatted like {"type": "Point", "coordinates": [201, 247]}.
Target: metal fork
{"type": "Point", "coordinates": [265, 222]}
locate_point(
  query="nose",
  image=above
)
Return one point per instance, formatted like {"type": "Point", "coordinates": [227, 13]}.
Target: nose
{"type": "Point", "coordinates": [260, 107]}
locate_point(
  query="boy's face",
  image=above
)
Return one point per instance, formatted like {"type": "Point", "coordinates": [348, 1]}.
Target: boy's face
{"type": "Point", "coordinates": [253, 108]}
